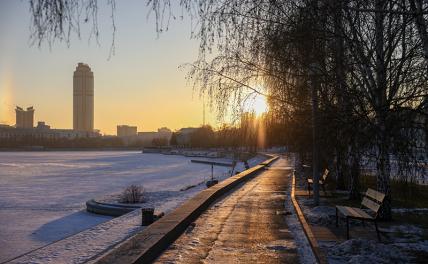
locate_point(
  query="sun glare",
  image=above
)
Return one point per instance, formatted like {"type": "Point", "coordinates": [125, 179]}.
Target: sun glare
{"type": "Point", "coordinates": [6, 96]}
{"type": "Point", "coordinates": [258, 104]}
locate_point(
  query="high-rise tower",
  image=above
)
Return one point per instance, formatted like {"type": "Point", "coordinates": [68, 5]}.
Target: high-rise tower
{"type": "Point", "coordinates": [24, 118]}
{"type": "Point", "coordinates": [83, 98]}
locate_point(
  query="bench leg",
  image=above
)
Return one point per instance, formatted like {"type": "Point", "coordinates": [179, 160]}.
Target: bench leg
{"type": "Point", "coordinates": [347, 228]}
{"type": "Point", "coordinates": [337, 218]}
{"type": "Point", "coordinates": [377, 230]}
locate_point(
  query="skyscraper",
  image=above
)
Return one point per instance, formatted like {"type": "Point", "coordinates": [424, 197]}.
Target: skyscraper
{"type": "Point", "coordinates": [83, 98]}
{"type": "Point", "coordinates": [24, 118]}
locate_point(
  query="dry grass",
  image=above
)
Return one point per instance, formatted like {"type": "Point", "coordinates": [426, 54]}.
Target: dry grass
{"type": "Point", "coordinates": [133, 194]}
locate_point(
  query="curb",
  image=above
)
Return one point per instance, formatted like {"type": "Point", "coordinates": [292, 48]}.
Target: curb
{"type": "Point", "coordinates": [96, 207]}
{"type": "Point", "coordinates": [147, 245]}
{"type": "Point", "coordinates": [319, 255]}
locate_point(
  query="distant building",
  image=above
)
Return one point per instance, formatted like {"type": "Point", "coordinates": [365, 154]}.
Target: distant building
{"type": "Point", "coordinates": [42, 125]}
{"type": "Point", "coordinates": [184, 135]}
{"type": "Point", "coordinates": [83, 98]}
{"type": "Point", "coordinates": [43, 131]}
{"type": "Point", "coordinates": [164, 130]}
{"type": "Point", "coordinates": [148, 138]}
{"type": "Point", "coordinates": [126, 131]}
{"type": "Point", "coordinates": [24, 118]}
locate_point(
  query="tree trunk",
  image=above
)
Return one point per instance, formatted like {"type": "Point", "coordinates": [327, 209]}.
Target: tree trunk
{"type": "Point", "coordinates": [339, 68]}
{"type": "Point", "coordinates": [383, 166]}
{"type": "Point", "coordinates": [340, 86]}
{"type": "Point", "coordinates": [354, 181]}
{"type": "Point", "coordinates": [341, 169]}
{"type": "Point", "coordinates": [383, 183]}
{"type": "Point", "coordinates": [315, 147]}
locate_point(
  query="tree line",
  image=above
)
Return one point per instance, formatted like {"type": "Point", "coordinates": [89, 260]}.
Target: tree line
{"type": "Point", "coordinates": [82, 142]}
{"type": "Point", "coordinates": [250, 134]}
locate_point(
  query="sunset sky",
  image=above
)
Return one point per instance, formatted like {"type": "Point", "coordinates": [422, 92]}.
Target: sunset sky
{"type": "Point", "coordinates": [140, 85]}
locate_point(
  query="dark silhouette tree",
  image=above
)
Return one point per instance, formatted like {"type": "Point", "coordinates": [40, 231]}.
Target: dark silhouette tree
{"type": "Point", "coordinates": [173, 139]}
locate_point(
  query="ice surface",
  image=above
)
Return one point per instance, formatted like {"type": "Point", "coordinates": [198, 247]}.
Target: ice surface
{"type": "Point", "coordinates": [43, 195]}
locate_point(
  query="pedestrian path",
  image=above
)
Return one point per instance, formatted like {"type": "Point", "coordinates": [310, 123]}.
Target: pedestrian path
{"type": "Point", "coordinates": [247, 225]}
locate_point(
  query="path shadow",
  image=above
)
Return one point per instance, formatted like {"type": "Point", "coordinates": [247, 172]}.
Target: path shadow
{"type": "Point", "coordinates": [67, 226]}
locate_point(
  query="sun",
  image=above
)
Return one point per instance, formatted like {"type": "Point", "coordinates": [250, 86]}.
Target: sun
{"type": "Point", "coordinates": [258, 104]}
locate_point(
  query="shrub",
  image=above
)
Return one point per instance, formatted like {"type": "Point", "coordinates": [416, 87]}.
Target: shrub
{"type": "Point", "coordinates": [133, 194]}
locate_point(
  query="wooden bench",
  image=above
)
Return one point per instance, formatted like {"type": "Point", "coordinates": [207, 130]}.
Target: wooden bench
{"type": "Point", "coordinates": [372, 201]}
{"type": "Point", "coordinates": [321, 181]}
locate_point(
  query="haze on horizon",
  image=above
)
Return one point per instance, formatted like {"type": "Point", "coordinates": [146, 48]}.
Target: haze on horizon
{"type": "Point", "coordinates": [141, 84]}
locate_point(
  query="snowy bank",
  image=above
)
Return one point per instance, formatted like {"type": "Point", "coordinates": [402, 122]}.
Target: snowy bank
{"type": "Point", "coordinates": [401, 243]}
{"type": "Point", "coordinates": [365, 251]}
{"type": "Point", "coordinates": [304, 249]}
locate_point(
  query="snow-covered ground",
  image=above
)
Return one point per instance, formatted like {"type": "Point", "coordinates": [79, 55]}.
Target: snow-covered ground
{"type": "Point", "coordinates": [43, 194]}
{"type": "Point", "coordinates": [304, 250]}
{"type": "Point", "coordinates": [401, 242]}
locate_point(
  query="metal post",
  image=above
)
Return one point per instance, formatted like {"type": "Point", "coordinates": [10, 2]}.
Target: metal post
{"type": "Point", "coordinates": [147, 216]}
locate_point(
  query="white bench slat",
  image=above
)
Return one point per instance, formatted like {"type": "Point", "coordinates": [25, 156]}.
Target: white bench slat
{"type": "Point", "coordinates": [375, 195]}
{"type": "Point", "coordinates": [324, 176]}
{"type": "Point", "coordinates": [343, 210]}
{"type": "Point", "coordinates": [370, 204]}
{"type": "Point", "coordinates": [354, 212]}
{"type": "Point", "coordinates": [322, 179]}
{"type": "Point", "coordinates": [360, 213]}
{"type": "Point", "coordinates": [311, 181]}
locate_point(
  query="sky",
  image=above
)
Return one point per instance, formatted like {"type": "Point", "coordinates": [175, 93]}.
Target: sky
{"type": "Point", "coordinates": [141, 84]}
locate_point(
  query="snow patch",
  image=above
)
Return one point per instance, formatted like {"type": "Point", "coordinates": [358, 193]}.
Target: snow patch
{"type": "Point", "coordinates": [321, 215]}
{"type": "Point", "coordinates": [366, 251]}
{"type": "Point", "coordinates": [404, 229]}
{"type": "Point", "coordinates": [304, 249]}
{"type": "Point", "coordinates": [281, 245]}
{"type": "Point", "coordinates": [410, 210]}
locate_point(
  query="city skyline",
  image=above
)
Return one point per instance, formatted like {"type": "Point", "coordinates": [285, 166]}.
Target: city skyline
{"type": "Point", "coordinates": [141, 84]}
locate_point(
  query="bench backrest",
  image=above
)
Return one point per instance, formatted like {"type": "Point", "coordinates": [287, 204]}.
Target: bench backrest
{"type": "Point", "coordinates": [373, 200]}
{"type": "Point", "coordinates": [324, 176]}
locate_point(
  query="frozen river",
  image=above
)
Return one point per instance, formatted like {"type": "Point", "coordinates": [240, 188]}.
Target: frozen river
{"type": "Point", "coordinates": [43, 194]}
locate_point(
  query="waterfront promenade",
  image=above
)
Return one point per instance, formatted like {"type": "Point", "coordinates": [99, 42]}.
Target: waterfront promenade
{"type": "Point", "coordinates": [247, 225]}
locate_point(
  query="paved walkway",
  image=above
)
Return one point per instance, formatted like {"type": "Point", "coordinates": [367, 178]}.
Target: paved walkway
{"type": "Point", "coordinates": [246, 226]}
